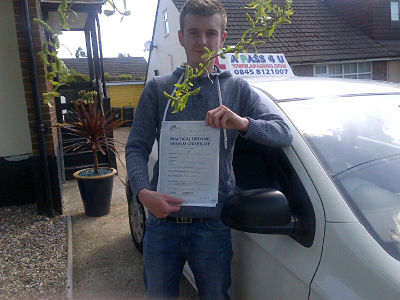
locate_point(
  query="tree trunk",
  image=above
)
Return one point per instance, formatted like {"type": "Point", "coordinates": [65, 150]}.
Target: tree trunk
{"type": "Point", "coordinates": [96, 162]}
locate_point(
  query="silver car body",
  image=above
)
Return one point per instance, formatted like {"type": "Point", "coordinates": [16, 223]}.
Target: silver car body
{"type": "Point", "coordinates": [344, 260]}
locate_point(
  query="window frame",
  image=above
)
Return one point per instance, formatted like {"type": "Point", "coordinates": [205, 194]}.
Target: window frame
{"type": "Point", "coordinates": [342, 74]}
{"type": "Point", "coordinates": [165, 23]}
{"type": "Point", "coordinates": [398, 11]}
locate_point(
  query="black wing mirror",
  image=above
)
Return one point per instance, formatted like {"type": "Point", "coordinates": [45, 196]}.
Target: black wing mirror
{"type": "Point", "coordinates": [259, 211]}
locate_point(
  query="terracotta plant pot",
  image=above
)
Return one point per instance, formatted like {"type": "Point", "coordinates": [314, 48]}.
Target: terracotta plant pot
{"type": "Point", "coordinates": [96, 192]}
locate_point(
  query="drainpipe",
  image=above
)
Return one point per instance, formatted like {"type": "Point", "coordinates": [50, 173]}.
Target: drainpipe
{"type": "Point", "coordinates": [39, 116]}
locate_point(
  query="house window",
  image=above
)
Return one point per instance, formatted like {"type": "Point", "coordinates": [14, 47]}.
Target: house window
{"type": "Point", "coordinates": [165, 23]}
{"type": "Point", "coordinates": [394, 9]}
{"type": "Point", "coordinates": [356, 70]}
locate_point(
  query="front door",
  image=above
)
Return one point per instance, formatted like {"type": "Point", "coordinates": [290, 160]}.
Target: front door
{"type": "Point", "coordinates": [275, 266]}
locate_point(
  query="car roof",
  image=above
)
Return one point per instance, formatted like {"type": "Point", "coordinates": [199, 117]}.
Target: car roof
{"type": "Point", "coordinates": [298, 88]}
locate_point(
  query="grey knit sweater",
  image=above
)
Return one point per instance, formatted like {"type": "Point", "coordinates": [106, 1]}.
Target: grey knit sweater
{"type": "Point", "coordinates": [264, 127]}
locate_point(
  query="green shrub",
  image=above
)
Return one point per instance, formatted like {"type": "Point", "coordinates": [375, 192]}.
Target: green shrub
{"type": "Point", "coordinates": [74, 77]}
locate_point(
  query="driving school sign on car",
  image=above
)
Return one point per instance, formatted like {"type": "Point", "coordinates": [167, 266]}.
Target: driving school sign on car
{"type": "Point", "coordinates": [255, 64]}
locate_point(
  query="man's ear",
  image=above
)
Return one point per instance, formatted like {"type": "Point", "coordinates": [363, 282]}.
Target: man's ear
{"type": "Point", "coordinates": [223, 38]}
{"type": "Point", "coordinates": [180, 37]}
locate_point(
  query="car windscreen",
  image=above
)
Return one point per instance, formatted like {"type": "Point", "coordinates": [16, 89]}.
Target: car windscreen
{"type": "Point", "coordinates": [357, 140]}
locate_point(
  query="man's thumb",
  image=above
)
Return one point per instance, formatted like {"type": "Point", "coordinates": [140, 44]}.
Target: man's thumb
{"type": "Point", "coordinates": [175, 200]}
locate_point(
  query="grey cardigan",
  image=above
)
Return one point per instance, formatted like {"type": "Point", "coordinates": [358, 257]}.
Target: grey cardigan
{"type": "Point", "coordinates": [237, 95]}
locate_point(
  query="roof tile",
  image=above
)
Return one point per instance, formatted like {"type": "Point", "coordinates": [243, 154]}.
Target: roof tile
{"type": "Point", "coordinates": [315, 34]}
{"type": "Point", "coordinates": [113, 65]}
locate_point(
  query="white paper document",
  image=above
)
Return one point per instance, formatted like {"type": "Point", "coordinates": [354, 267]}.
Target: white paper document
{"type": "Point", "coordinates": [189, 162]}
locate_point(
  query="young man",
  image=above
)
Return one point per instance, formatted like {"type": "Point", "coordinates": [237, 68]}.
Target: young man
{"type": "Point", "coordinates": [204, 241]}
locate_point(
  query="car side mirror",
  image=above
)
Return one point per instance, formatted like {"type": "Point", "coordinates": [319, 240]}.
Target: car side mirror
{"type": "Point", "coordinates": [259, 211]}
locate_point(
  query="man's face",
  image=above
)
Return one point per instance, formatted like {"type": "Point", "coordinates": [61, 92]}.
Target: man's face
{"type": "Point", "coordinates": [199, 32]}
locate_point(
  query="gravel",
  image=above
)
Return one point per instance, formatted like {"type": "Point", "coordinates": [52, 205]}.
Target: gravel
{"type": "Point", "coordinates": [33, 254]}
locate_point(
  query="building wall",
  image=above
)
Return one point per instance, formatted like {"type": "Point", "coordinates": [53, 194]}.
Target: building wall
{"type": "Point", "coordinates": [379, 70]}
{"type": "Point", "coordinates": [49, 116]}
{"type": "Point", "coordinates": [394, 71]}
{"type": "Point", "coordinates": [169, 54]}
{"type": "Point", "coordinates": [14, 129]}
{"type": "Point", "coordinates": [303, 70]}
{"type": "Point", "coordinates": [125, 95]}
{"type": "Point", "coordinates": [15, 141]}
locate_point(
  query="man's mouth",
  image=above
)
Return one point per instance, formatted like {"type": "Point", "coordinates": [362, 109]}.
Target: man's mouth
{"type": "Point", "coordinates": [201, 52]}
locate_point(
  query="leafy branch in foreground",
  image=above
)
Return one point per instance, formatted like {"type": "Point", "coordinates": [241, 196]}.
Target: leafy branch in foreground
{"type": "Point", "coordinates": [267, 17]}
{"type": "Point", "coordinates": [49, 52]}
{"type": "Point", "coordinates": [115, 9]}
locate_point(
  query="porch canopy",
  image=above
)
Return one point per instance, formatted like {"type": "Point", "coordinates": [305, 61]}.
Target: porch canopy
{"type": "Point", "coordinates": [83, 18]}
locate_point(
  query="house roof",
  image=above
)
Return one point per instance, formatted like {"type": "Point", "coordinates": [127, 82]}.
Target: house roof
{"type": "Point", "coordinates": [316, 34]}
{"type": "Point", "coordinates": [112, 65]}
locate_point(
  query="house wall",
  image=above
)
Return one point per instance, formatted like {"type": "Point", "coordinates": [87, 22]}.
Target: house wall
{"type": "Point", "coordinates": [15, 140]}
{"type": "Point", "coordinates": [14, 127]}
{"type": "Point", "coordinates": [379, 70]}
{"type": "Point", "coordinates": [394, 71]}
{"type": "Point", "coordinates": [302, 70]}
{"type": "Point", "coordinates": [125, 95]}
{"type": "Point", "coordinates": [169, 54]}
{"type": "Point", "coordinates": [18, 192]}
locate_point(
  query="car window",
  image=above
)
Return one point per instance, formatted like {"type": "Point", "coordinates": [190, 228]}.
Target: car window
{"type": "Point", "coordinates": [357, 140]}
{"type": "Point", "coordinates": [259, 166]}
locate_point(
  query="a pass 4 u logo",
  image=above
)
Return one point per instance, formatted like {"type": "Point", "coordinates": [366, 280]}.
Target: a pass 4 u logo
{"type": "Point", "coordinates": [257, 59]}
{"type": "Point", "coordinates": [255, 64]}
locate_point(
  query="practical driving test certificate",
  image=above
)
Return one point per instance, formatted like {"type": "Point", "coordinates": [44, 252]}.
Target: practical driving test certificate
{"type": "Point", "coordinates": [189, 162]}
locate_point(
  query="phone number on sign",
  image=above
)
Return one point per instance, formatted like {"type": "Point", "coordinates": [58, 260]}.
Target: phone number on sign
{"type": "Point", "coordinates": [261, 72]}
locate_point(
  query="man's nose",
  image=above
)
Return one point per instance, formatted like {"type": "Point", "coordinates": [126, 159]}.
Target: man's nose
{"type": "Point", "coordinates": [203, 39]}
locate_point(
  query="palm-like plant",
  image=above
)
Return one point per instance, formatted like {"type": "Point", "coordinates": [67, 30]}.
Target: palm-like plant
{"type": "Point", "coordinates": [92, 127]}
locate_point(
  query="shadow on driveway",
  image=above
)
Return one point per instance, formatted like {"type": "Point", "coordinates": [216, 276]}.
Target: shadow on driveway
{"type": "Point", "coordinates": [106, 263]}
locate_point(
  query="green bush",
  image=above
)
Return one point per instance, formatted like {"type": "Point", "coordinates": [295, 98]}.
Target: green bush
{"type": "Point", "coordinates": [74, 77]}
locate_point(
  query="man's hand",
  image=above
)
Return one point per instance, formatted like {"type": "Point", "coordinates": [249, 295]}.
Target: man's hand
{"type": "Point", "coordinates": [160, 205]}
{"type": "Point", "coordinates": [223, 117]}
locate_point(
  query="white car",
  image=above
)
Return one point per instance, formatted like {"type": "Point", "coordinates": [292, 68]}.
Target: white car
{"type": "Point", "coordinates": [321, 218]}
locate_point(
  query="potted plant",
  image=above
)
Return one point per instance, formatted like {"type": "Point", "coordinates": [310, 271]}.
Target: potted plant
{"type": "Point", "coordinates": [91, 127]}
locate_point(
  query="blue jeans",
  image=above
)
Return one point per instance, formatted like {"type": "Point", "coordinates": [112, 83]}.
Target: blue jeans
{"type": "Point", "coordinates": [205, 245]}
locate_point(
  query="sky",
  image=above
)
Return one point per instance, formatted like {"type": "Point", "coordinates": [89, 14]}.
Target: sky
{"type": "Point", "coordinates": [127, 37]}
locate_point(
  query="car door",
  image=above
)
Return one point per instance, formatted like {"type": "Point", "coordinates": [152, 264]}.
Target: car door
{"type": "Point", "coordinates": [276, 266]}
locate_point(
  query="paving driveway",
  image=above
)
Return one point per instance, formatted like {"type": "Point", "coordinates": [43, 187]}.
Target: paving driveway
{"type": "Point", "coordinates": [106, 263]}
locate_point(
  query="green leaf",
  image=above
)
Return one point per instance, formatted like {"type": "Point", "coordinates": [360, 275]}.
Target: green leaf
{"type": "Point", "coordinates": [196, 91]}
{"type": "Point", "coordinates": [108, 12]}
{"type": "Point", "coordinates": [250, 20]}
{"type": "Point", "coordinates": [271, 31]}
{"type": "Point", "coordinates": [51, 75]}
{"type": "Point", "coordinates": [245, 33]}
{"type": "Point", "coordinates": [43, 58]}
{"type": "Point", "coordinates": [169, 96]}
{"type": "Point", "coordinates": [43, 24]}
{"type": "Point", "coordinates": [127, 13]}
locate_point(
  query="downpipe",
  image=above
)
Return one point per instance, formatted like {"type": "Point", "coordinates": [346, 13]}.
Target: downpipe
{"type": "Point", "coordinates": [40, 125]}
